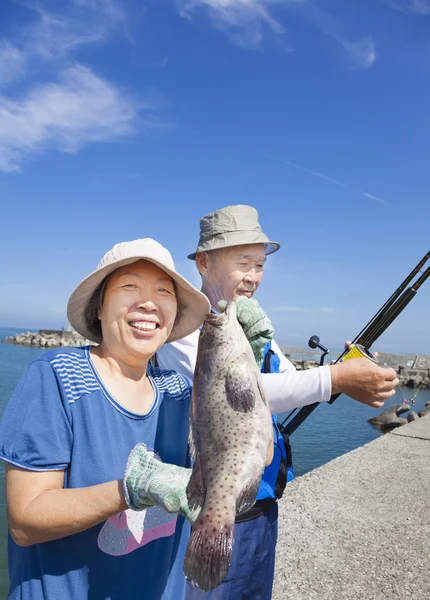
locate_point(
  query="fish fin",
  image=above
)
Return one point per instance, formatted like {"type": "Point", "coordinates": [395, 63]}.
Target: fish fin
{"type": "Point", "coordinates": [196, 490]}
{"type": "Point", "coordinates": [195, 436]}
{"type": "Point", "coordinates": [208, 555]}
{"type": "Point", "coordinates": [247, 497]}
{"type": "Point", "coordinates": [239, 386]}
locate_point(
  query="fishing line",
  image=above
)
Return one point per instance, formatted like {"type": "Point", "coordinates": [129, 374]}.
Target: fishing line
{"type": "Point", "coordinates": [414, 397]}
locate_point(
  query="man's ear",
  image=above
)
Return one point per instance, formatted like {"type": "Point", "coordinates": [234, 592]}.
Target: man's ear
{"type": "Point", "coordinates": [202, 262]}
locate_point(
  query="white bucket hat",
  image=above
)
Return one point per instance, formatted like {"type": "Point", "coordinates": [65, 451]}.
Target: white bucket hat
{"type": "Point", "coordinates": [232, 226]}
{"type": "Point", "coordinates": [194, 304]}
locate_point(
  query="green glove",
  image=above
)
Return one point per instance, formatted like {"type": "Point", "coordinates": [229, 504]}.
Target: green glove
{"type": "Point", "coordinates": [255, 324]}
{"type": "Point", "coordinates": [149, 482]}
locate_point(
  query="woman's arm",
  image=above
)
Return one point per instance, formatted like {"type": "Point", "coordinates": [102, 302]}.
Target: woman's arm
{"type": "Point", "coordinates": [40, 510]}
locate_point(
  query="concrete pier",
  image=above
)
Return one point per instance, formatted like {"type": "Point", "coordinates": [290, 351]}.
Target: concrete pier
{"type": "Point", "coordinates": [359, 527]}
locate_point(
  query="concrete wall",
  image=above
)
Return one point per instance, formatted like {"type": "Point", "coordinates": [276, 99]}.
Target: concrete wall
{"type": "Point", "coordinates": [358, 528]}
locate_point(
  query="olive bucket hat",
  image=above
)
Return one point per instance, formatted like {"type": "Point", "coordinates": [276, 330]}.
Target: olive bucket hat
{"type": "Point", "coordinates": [232, 226]}
{"type": "Point", "coordinates": [194, 305]}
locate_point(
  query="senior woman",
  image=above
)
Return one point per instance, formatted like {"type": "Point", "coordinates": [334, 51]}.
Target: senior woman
{"type": "Point", "coordinates": [72, 423]}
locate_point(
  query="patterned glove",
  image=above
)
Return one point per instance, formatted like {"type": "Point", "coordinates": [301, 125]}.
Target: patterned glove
{"type": "Point", "coordinates": [255, 323]}
{"type": "Point", "coordinates": [149, 482]}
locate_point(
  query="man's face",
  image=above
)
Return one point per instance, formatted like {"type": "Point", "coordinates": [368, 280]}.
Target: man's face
{"type": "Point", "coordinates": [229, 272]}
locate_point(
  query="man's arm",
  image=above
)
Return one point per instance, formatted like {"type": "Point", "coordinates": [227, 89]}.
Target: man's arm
{"type": "Point", "coordinates": [359, 378]}
{"type": "Point", "coordinates": [290, 389]}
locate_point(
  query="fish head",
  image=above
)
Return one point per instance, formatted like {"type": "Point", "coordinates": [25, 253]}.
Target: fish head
{"type": "Point", "coordinates": [221, 334]}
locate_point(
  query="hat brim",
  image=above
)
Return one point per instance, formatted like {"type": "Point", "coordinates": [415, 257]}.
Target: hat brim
{"type": "Point", "coordinates": [269, 246]}
{"type": "Point", "coordinates": [194, 304]}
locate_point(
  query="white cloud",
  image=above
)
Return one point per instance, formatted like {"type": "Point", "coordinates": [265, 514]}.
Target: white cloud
{"type": "Point", "coordinates": [246, 18]}
{"type": "Point", "coordinates": [73, 106]}
{"type": "Point", "coordinates": [79, 109]}
{"type": "Point", "coordinates": [55, 35]}
{"type": "Point", "coordinates": [246, 21]}
{"type": "Point", "coordinates": [361, 53]}
{"type": "Point", "coordinates": [418, 7]}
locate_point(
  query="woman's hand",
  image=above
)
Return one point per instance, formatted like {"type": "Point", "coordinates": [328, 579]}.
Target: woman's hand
{"type": "Point", "coordinates": [149, 482]}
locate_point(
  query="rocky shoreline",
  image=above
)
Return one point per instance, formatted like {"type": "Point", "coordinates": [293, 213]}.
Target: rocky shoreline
{"type": "Point", "coordinates": [48, 338]}
{"type": "Point", "coordinates": [390, 419]}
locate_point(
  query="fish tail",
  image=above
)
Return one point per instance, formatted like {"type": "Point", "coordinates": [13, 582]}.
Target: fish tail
{"type": "Point", "coordinates": [208, 554]}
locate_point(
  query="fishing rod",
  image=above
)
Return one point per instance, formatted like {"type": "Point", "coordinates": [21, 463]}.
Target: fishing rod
{"type": "Point", "coordinates": [393, 312]}
{"type": "Point", "coordinates": [363, 336]}
{"type": "Point", "coordinates": [367, 336]}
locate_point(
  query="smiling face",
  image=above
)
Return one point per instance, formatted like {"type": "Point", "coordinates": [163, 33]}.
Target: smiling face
{"type": "Point", "coordinates": [138, 311]}
{"type": "Point", "coordinates": [230, 272]}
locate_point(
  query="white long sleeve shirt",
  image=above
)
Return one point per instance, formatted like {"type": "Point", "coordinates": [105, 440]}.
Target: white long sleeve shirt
{"type": "Point", "coordinates": [285, 390]}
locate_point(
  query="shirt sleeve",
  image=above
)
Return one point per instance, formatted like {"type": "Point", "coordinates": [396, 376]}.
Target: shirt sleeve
{"type": "Point", "coordinates": [35, 430]}
{"type": "Point", "coordinates": [180, 356]}
{"type": "Point", "coordinates": [290, 389]}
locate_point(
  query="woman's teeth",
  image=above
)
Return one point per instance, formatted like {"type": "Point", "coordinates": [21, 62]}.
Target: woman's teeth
{"type": "Point", "coordinates": [144, 325]}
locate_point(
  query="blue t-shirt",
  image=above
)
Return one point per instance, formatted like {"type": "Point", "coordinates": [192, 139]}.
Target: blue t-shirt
{"type": "Point", "coordinates": [62, 417]}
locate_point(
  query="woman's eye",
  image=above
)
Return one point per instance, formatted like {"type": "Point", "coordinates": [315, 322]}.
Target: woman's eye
{"type": "Point", "coordinates": [130, 286]}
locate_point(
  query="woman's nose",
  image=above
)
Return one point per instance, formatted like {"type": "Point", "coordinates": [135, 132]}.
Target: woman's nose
{"type": "Point", "coordinates": [148, 305]}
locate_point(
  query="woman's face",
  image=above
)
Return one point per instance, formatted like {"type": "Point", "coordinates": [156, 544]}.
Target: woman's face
{"type": "Point", "coordinates": [138, 311]}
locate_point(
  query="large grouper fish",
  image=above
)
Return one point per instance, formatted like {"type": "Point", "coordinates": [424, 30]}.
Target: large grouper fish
{"type": "Point", "coordinates": [231, 440]}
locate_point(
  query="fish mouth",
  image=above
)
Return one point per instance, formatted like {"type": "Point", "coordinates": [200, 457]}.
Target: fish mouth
{"type": "Point", "coordinates": [214, 319]}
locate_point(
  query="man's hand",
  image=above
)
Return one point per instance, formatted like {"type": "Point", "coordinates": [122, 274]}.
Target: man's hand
{"type": "Point", "coordinates": [364, 381]}
{"type": "Point", "coordinates": [255, 324]}
{"type": "Point", "coordinates": [349, 345]}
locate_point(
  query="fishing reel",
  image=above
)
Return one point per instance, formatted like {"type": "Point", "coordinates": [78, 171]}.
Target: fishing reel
{"type": "Point", "coordinates": [314, 342]}
{"type": "Point", "coordinates": [354, 351]}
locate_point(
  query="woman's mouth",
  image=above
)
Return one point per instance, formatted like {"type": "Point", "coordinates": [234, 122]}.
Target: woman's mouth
{"type": "Point", "coordinates": [145, 326]}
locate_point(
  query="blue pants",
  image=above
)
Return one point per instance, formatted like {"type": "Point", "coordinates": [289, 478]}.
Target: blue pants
{"type": "Point", "coordinates": [250, 576]}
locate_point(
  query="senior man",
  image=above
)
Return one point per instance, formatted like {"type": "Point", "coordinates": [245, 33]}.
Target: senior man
{"type": "Point", "coordinates": [230, 258]}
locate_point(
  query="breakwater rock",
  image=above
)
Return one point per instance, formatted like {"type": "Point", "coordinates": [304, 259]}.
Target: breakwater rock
{"type": "Point", "coordinates": [48, 338]}
{"type": "Point", "coordinates": [390, 419]}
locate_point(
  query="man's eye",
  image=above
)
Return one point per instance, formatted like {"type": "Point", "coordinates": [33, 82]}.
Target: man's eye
{"type": "Point", "coordinates": [130, 286]}
{"type": "Point", "coordinates": [165, 290]}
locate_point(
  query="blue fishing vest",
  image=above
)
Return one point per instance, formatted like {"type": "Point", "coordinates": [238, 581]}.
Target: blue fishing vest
{"type": "Point", "coordinates": [280, 471]}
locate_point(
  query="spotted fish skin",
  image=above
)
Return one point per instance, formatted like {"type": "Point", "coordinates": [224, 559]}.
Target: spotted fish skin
{"type": "Point", "coordinates": [231, 432]}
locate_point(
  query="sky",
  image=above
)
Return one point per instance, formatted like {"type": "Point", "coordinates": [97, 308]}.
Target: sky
{"type": "Point", "coordinates": [134, 118]}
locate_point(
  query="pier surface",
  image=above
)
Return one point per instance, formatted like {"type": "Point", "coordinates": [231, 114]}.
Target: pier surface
{"type": "Point", "coordinates": [359, 527]}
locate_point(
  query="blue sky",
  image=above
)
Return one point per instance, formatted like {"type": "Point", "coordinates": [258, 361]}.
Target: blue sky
{"type": "Point", "coordinates": [131, 119]}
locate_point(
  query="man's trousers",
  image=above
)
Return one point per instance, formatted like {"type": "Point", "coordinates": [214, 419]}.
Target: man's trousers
{"type": "Point", "coordinates": [250, 575]}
